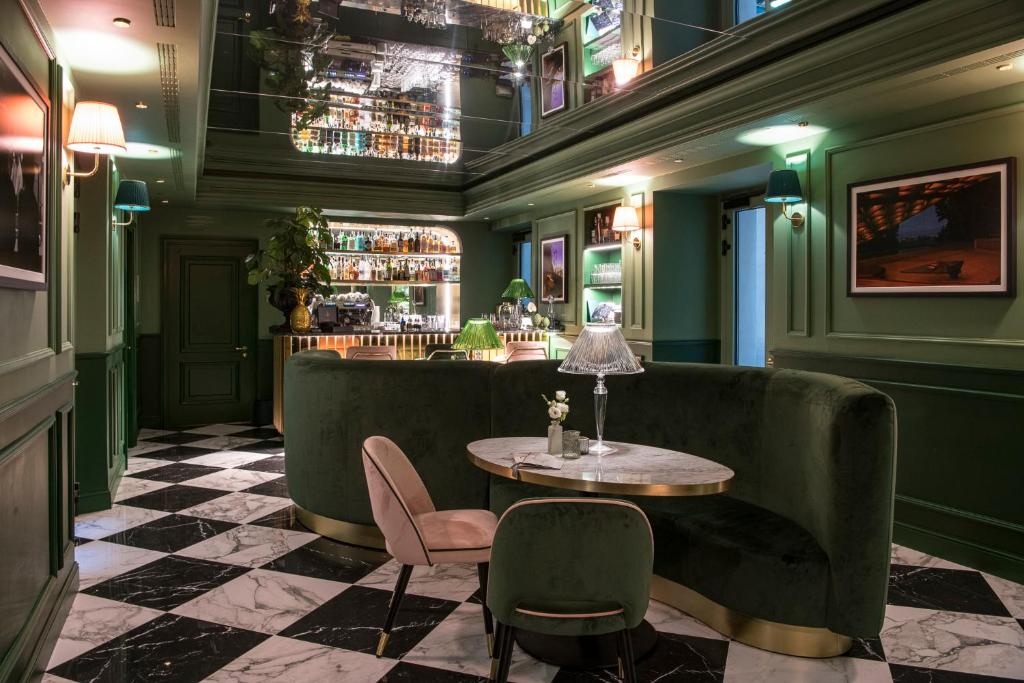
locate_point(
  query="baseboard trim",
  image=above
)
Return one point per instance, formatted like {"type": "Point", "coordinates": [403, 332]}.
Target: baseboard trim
{"type": "Point", "coordinates": [982, 558]}
{"type": "Point", "coordinates": [801, 641]}
{"type": "Point", "coordinates": [346, 532]}
{"type": "Point", "coordinates": [40, 639]}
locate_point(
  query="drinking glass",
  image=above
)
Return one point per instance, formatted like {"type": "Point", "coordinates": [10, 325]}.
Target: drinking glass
{"type": "Point", "coordinates": [570, 444]}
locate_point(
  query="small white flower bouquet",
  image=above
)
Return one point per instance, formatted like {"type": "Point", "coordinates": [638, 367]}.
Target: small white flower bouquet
{"type": "Point", "coordinates": [558, 409]}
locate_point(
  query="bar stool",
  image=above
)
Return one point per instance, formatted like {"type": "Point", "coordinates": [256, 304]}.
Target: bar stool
{"type": "Point", "coordinates": [372, 352]}
{"type": "Point", "coordinates": [570, 567]}
{"type": "Point", "coordinates": [417, 534]}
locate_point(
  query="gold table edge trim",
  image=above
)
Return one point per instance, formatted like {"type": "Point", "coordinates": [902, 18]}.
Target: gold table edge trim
{"type": "Point", "coordinates": [531, 476]}
{"type": "Point", "coordinates": [800, 641]}
{"type": "Point", "coordinates": [365, 535]}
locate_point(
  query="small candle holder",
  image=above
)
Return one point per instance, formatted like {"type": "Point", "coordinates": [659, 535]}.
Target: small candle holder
{"type": "Point", "coordinates": [570, 444]}
{"type": "Point", "coordinates": [584, 445]}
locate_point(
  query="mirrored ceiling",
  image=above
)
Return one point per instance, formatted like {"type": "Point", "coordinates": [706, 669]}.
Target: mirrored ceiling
{"type": "Point", "coordinates": [322, 89]}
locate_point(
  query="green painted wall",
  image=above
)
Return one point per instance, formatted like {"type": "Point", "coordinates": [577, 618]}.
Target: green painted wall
{"type": "Point", "coordinates": [674, 30]}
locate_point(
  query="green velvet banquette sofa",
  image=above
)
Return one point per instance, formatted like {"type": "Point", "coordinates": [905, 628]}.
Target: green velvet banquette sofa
{"type": "Point", "coordinates": [794, 558]}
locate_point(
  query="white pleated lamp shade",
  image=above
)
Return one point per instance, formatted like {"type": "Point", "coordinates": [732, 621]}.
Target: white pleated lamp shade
{"type": "Point", "coordinates": [625, 219]}
{"type": "Point", "coordinates": [601, 350]}
{"type": "Point", "coordinates": [625, 69]}
{"type": "Point", "coordinates": [96, 129]}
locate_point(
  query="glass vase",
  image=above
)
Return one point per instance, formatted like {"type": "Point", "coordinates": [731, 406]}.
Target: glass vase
{"type": "Point", "coordinates": [554, 439]}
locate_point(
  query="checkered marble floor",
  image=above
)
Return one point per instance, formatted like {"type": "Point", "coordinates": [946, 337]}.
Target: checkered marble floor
{"type": "Point", "coordinates": [200, 572]}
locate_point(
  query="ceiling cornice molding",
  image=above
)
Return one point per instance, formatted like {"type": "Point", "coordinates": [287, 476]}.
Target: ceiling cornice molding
{"type": "Point", "coordinates": [917, 38]}
{"type": "Point", "coordinates": [207, 43]}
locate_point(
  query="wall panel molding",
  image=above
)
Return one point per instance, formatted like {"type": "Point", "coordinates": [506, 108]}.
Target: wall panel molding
{"type": "Point", "coordinates": [798, 279]}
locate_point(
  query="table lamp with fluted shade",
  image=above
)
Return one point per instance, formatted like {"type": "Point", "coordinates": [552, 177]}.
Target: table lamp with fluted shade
{"type": "Point", "coordinates": [517, 289]}
{"type": "Point", "coordinates": [600, 350]}
{"type": "Point", "coordinates": [477, 336]}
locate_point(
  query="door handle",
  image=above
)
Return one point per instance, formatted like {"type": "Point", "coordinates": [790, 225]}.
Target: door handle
{"type": "Point", "coordinates": [244, 350]}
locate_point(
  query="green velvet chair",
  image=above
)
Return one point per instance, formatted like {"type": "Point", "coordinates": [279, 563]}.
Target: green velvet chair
{"type": "Point", "coordinates": [570, 567]}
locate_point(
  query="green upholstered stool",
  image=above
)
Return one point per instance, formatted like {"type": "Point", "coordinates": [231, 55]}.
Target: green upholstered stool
{"type": "Point", "coordinates": [570, 567]}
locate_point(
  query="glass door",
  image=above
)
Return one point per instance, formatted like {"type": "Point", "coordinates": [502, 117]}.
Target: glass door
{"type": "Point", "coordinates": [744, 286]}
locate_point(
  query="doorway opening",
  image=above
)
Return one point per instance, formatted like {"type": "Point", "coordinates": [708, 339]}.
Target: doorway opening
{"type": "Point", "coordinates": [749, 287]}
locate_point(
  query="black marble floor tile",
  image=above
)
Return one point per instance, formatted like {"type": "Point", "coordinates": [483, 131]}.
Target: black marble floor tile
{"type": "Point", "coordinates": [327, 559]}
{"type": "Point", "coordinates": [170, 534]}
{"type": "Point", "coordinates": [178, 438]}
{"type": "Point", "coordinates": [352, 619]}
{"type": "Point", "coordinates": [173, 498]}
{"type": "Point", "coordinates": [169, 648]}
{"type": "Point", "coordinates": [167, 583]}
{"type": "Point", "coordinates": [176, 453]}
{"type": "Point", "coordinates": [176, 472]}
{"type": "Point", "coordinates": [81, 541]}
{"type": "Point", "coordinates": [414, 673]}
{"type": "Point", "coordinates": [951, 590]}
{"type": "Point", "coordinates": [274, 463]}
{"type": "Point", "coordinates": [271, 446]}
{"type": "Point", "coordinates": [282, 519]}
{"type": "Point", "coordinates": [686, 659]}
{"type": "Point", "coordinates": [867, 648]}
{"type": "Point", "coordinates": [910, 674]}
{"type": "Point", "coordinates": [275, 487]}
{"type": "Point", "coordinates": [259, 433]}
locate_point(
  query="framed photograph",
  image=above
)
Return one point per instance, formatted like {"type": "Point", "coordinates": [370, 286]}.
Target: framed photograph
{"type": "Point", "coordinates": [944, 232]}
{"type": "Point", "coordinates": [554, 273]}
{"type": "Point", "coordinates": [24, 178]}
{"type": "Point", "coordinates": [419, 296]}
{"type": "Point", "coordinates": [597, 225]}
{"type": "Point", "coordinates": [553, 93]}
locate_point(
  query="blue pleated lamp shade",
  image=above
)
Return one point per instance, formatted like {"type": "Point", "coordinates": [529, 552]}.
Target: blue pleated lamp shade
{"type": "Point", "coordinates": [132, 195]}
{"type": "Point", "coordinates": [783, 187]}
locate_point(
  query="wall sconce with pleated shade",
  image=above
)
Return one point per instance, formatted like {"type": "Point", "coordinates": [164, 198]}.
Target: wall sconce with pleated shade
{"type": "Point", "coordinates": [784, 188]}
{"type": "Point", "coordinates": [626, 219]}
{"type": "Point", "coordinates": [96, 129]}
{"type": "Point", "coordinates": [132, 196]}
{"type": "Point", "coordinates": [627, 67]}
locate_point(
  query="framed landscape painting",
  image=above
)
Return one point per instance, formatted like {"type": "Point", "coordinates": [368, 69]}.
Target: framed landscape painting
{"type": "Point", "coordinates": [944, 232]}
{"type": "Point", "coordinates": [23, 179]}
{"type": "Point", "coordinates": [553, 272]}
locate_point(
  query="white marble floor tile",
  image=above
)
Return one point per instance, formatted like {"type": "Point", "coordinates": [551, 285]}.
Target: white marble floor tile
{"type": "Point", "coordinates": [1011, 594]}
{"type": "Point", "coordinates": [248, 546]}
{"type": "Point", "coordinates": [670, 620]}
{"type": "Point", "coordinates": [50, 678]}
{"type": "Point", "coordinates": [232, 480]}
{"type": "Point", "coordinates": [953, 641]}
{"type": "Point", "coordinates": [238, 507]}
{"type": "Point", "coordinates": [138, 464]}
{"type": "Point", "coordinates": [118, 518]}
{"type": "Point", "coordinates": [447, 581]}
{"type": "Point", "coordinates": [223, 443]}
{"type": "Point", "coordinates": [99, 561]}
{"type": "Point", "coordinates": [262, 600]}
{"type": "Point", "coordinates": [146, 433]}
{"type": "Point", "coordinates": [219, 429]}
{"type": "Point", "coordinates": [226, 458]}
{"type": "Point", "coordinates": [458, 644]}
{"type": "Point", "coordinates": [143, 447]}
{"type": "Point", "coordinates": [915, 558]}
{"type": "Point", "coordinates": [750, 665]}
{"type": "Point", "coordinates": [131, 487]}
{"type": "Point", "coordinates": [284, 660]}
{"type": "Point", "coordinates": [92, 622]}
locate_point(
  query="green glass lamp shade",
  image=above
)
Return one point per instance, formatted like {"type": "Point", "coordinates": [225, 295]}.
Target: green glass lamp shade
{"type": "Point", "coordinates": [132, 195]}
{"type": "Point", "coordinates": [783, 187]}
{"type": "Point", "coordinates": [517, 289]}
{"type": "Point", "coordinates": [478, 335]}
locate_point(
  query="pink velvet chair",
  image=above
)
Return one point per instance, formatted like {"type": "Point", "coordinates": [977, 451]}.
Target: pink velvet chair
{"type": "Point", "coordinates": [417, 534]}
{"type": "Point", "coordinates": [525, 350]}
{"type": "Point", "coordinates": [372, 352]}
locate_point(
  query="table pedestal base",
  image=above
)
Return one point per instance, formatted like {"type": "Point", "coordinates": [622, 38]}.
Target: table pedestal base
{"type": "Point", "coordinates": [585, 652]}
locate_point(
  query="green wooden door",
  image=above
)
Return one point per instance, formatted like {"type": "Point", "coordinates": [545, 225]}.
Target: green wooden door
{"type": "Point", "coordinates": [209, 332]}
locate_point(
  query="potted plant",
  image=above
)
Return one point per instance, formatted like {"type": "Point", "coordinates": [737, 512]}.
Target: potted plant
{"type": "Point", "coordinates": [294, 264]}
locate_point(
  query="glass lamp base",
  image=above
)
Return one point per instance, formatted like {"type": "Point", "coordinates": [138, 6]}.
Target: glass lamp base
{"type": "Point", "coordinates": [601, 448]}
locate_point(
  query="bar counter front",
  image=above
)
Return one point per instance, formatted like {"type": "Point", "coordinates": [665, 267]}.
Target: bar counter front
{"type": "Point", "coordinates": [410, 345]}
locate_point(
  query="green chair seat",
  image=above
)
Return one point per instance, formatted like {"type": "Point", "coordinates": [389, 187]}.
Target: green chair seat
{"type": "Point", "coordinates": [733, 551]}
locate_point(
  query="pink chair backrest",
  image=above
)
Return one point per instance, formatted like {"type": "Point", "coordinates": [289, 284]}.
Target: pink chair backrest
{"type": "Point", "coordinates": [524, 350]}
{"type": "Point", "coordinates": [372, 352]}
{"type": "Point", "coordinates": [397, 496]}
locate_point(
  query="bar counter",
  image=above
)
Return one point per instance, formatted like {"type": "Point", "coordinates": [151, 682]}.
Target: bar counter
{"type": "Point", "coordinates": [411, 346]}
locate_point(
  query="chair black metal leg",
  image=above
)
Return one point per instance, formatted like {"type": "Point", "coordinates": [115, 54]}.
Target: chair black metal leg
{"type": "Point", "coordinates": [481, 570]}
{"type": "Point", "coordinates": [627, 660]}
{"type": "Point", "coordinates": [506, 645]}
{"type": "Point", "coordinates": [496, 655]}
{"type": "Point", "coordinates": [396, 600]}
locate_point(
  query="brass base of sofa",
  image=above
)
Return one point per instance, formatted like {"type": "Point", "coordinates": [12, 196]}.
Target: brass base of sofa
{"type": "Point", "coordinates": [802, 641]}
{"type": "Point", "coordinates": [346, 532]}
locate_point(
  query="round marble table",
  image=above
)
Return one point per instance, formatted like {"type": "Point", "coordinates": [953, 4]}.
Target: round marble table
{"type": "Point", "coordinates": [632, 469]}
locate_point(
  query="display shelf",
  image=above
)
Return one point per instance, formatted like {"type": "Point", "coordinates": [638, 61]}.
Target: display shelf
{"type": "Point", "coordinates": [396, 133]}
{"type": "Point", "coordinates": [390, 254]}
{"type": "Point", "coordinates": [607, 246]}
{"type": "Point", "coordinates": [391, 283]}
{"type": "Point", "coordinates": [604, 286]}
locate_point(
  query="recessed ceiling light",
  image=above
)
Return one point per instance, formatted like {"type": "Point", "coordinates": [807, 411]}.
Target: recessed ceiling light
{"type": "Point", "coordinates": [122, 22]}
{"type": "Point", "coordinates": [529, 203]}
{"type": "Point", "coordinates": [152, 150]}
{"type": "Point", "coordinates": [161, 180]}
{"type": "Point", "coordinates": [677, 161]}
{"type": "Point", "coordinates": [590, 184]}
{"type": "Point", "coordinates": [141, 105]}
{"type": "Point", "coordinates": [487, 218]}
{"type": "Point", "coordinates": [622, 179]}
{"type": "Point", "coordinates": [1005, 67]}
{"type": "Point", "coordinates": [165, 201]}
